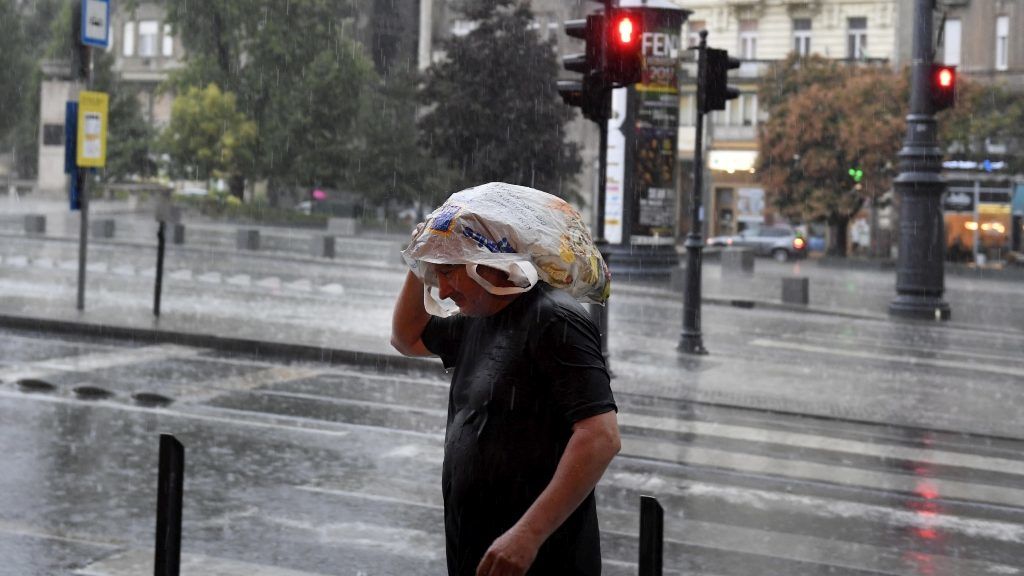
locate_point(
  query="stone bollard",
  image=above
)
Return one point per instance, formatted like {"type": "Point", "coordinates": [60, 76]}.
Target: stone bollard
{"type": "Point", "coordinates": [178, 234]}
{"type": "Point", "coordinates": [102, 228]}
{"type": "Point", "coordinates": [248, 239]}
{"type": "Point", "coordinates": [796, 290]}
{"type": "Point", "coordinates": [737, 261]}
{"type": "Point", "coordinates": [35, 224]}
{"type": "Point", "coordinates": [322, 246]}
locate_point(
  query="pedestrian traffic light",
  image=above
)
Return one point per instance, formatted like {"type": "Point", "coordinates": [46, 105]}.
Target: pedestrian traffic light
{"type": "Point", "coordinates": [623, 53]}
{"type": "Point", "coordinates": [942, 86]}
{"type": "Point", "coordinates": [589, 93]}
{"type": "Point", "coordinates": [716, 89]}
{"type": "Point", "coordinates": [856, 173]}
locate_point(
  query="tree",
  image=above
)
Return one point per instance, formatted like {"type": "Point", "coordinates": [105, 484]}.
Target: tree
{"type": "Point", "coordinates": [297, 74]}
{"type": "Point", "coordinates": [825, 119]}
{"type": "Point", "coordinates": [392, 165]}
{"type": "Point", "coordinates": [984, 114]}
{"type": "Point", "coordinates": [495, 112]}
{"type": "Point", "coordinates": [207, 136]}
{"type": "Point", "coordinates": [14, 63]}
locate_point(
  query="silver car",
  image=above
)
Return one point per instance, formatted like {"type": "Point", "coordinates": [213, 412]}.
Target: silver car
{"type": "Point", "coordinates": [779, 242]}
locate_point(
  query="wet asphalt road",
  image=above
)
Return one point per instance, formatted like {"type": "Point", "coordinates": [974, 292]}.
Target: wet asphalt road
{"type": "Point", "coordinates": [302, 469]}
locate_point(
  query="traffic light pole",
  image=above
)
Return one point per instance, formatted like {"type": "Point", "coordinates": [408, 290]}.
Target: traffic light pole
{"type": "Point", "coordinates": [920, 272]}
{"type": "Point", "coordinates": [691, 341]}
{"type": "Point", "coordinates": [598, 312]}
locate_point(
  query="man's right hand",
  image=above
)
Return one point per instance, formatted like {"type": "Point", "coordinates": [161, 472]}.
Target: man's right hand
{"type": "Point", "coordinates": [409, 319]}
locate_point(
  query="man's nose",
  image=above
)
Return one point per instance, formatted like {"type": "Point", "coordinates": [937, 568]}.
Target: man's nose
{"type": "Point", "coordinates": [444, 287]}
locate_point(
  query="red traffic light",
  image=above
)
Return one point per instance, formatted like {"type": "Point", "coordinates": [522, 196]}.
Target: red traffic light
{"type": "Point", "coordinates": [946, 77]}
{"type": "Point", "coordinates": [942, 87]}
{"type": "Point", "coordinates": [625, 30]}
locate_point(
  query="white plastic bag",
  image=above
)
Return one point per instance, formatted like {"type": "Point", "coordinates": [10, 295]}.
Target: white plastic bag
{"type": "Point", "coordinates": [529, 234]}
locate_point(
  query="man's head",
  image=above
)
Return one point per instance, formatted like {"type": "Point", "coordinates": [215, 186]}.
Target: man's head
{"type": "Point", "coordinates": [472, 298]}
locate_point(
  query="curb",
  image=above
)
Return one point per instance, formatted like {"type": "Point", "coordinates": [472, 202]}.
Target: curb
{"type": "Point", "coordinates": [245, 346]}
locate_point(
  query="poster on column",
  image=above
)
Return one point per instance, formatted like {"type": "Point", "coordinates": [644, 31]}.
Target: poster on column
{"type": "Point", "coordinates": [655, 189]}
{"type": "Point", "coordinates": [615, 173]}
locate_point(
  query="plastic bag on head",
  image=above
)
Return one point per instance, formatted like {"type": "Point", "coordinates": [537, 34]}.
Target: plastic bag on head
{"type": "Point", "coordinates": [529, 234]}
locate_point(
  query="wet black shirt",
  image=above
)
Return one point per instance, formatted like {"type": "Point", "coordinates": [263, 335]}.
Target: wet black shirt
{"type": "Point", "coordinates": [522, 378]}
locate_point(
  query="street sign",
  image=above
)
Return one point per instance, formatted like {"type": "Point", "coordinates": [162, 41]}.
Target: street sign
{"type": "Point", "coordinates": [92, 129]}
{"type": "Point", "coordinates": [96, 23]}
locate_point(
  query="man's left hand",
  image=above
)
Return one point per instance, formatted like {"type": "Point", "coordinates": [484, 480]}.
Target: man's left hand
{"type": "Point", "coordinates": [511, 554]}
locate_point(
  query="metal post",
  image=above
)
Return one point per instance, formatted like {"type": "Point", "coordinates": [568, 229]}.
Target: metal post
{"type": "Point", "coordinates": [160, 244]}
{"type": "Point", "coordinates": [691, 341]}
{"type": "Point", "coordinates": [170, 489]}
{"type": "Point", "coordinates": [599, 313]}
{"type": "Point", "coordinates": [84, 71]}
{"type": "Point", "coordinates": [977, 220]}
{"type": "Point", "coordinates": [652, 520]}
{"type": "Point", "coordinates": [920, 272]}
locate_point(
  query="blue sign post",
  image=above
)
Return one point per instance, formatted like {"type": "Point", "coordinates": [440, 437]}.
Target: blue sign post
{"type": "Point", "coordinates": [96, 23]}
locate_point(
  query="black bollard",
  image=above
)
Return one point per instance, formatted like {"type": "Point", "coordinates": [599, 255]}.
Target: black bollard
{"type": "Point", "coordinates": [168, 507]}
{"type": "Point", "coordinates": [651, 536]}
{"type": "Point", "coordinates": [160, 244]}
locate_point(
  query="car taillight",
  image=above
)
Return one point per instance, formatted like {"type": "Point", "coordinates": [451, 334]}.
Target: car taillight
{"type": "Point", "coordinates": [798, 243]}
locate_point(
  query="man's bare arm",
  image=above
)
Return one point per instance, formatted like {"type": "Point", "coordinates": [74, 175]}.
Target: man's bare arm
{"type": "Point", "coordinates": [593, 444]}
{"type": "Point", "coordinates": [409, 319]}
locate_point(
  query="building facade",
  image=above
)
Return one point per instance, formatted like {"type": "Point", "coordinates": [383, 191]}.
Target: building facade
{"type": "Point", "coordinates": [758, 33]}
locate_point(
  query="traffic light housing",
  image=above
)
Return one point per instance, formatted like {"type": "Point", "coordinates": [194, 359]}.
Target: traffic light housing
{"type": "Point", "coordinates": [588, 93]}
{"type": "Point", "coordinates": [942, 87]}
{"type": "Point", "coordinates": [716, 89]}
{"type": "Point", "coordinates": [623, 51]}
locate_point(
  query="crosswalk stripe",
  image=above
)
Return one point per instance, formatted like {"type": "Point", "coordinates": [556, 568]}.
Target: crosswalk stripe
{"type": "Point", "coordinates": [799, 440]}
{"type": "Point", "coordinates": [925, 487]}
{"type": "Point", "coordinates": [876, 356]}
{"type": "Point", "coordinates": [96, 361]}
{"type": "Point", "coordinates": [134, 562]}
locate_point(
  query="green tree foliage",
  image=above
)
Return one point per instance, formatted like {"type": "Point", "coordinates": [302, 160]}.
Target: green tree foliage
{"type": "Point", "coordinates": [393, 165]}
{"type": "Point", "coordinates": [495, 112]}
{"type": "Point", "coordinates": [984, 113]}
{"type": "Point", "coordinates": [825, 118]}
{"type": "Point", "coordinates": [207, 136]}
{"type": "Point", "coordinates": [14, 61]}
{"type": "Point", "coordinates": [296, 72]}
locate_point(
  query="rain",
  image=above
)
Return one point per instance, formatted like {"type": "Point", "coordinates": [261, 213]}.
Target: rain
{"type": "Point", "coordinates": [789, 237]}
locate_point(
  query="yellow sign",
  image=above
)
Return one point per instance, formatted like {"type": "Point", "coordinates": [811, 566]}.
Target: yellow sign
{"type": "Point", "coordinates": [93, 111]}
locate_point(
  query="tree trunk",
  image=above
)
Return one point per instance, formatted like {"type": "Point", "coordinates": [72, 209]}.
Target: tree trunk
{"type": "Point", "coordinates": [236, 185]}
{"type": "Point", "coordinates": [837, 245]}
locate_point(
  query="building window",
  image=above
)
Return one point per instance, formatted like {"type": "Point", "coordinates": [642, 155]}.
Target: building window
{"type": "Point", "coordinates": [687, 110]}
{"type": "Point", "coordinates": [856, 37]}
{"type": "Point", "coordinates": [148, 32]}
{"type": "Point", "coordinates": [1002, 42]}
{"type": "Point", "coordinates": [802, 36]}
{"type": "Point", "coordinates": [168, 41]}
{"type": "Point", "coordinates": [748, 39]}
{"type": "Point", "coordinates": [749, 103]}
{"type": "Point", "coordinates": [694, 28]}
{"type": "Point", "coordinates": [951, 43]}
{"type": "Point", "coordinates": [128, 45]}
{"type": "Point", "coordinates": [53, 134]}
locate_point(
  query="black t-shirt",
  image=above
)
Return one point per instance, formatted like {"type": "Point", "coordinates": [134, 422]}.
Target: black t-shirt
{"type": "Point", "coordinates": [522, 378]}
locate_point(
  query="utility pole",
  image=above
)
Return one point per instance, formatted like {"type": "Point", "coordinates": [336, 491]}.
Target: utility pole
{"type": "Point", "coordinates": [922, 249]}
{"type": "Point", "coordinates": [83, 71]}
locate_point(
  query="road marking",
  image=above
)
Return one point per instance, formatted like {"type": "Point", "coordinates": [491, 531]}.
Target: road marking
{"type": "Point", "coordinates": [124, 270]}
{"type": "Point", "coordinates": [205, 390]}
{"type": "Point", "coordinates": [209, 278]}
{"type": "Point", "coordinates": [922, 486]}
{"type": "Point", "coordinates": [301, 285]}
{"type": "Point", "coordinates": [240, 280]}
{"type": "Point", "coordinates": [96, 361]}
{"type": "Point", "coordinates": [20, 529]}
{"type": "Point", "coordinates": [183, 274]}
{"type": "Point", "coordinates": [43, 263]}
{"type": "Point", "coordinates": [800, 440]}
{"type": "Point", "coordinates": [270, 282]}
{"type": "Point", "coordinates": [423, 502]}
{"type": "Point", "coordinates": [135, 562]}
{"type": "Point", "coordinates": [333, 289]}
{"type": "Point", "coordinates": [878, 356]}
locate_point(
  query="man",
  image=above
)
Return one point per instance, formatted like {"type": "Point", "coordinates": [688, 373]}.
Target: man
{"type": "Point", "coordinates": [531, 423]}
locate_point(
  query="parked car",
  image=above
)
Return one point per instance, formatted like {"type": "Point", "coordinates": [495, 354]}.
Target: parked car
{"type": "Point", "coordinates": [779, 242]}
